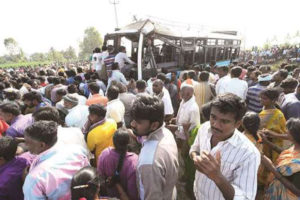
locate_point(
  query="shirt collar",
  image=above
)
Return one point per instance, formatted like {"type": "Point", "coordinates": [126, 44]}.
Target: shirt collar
{"type": "Point", "coordinates": [97, 124]}
{"type": "Point", "coordinates": [233, 140]}
{"type": "Point", "coordinates": [155, 134]}
{"type": "Point", "coordinates": [112, 101]}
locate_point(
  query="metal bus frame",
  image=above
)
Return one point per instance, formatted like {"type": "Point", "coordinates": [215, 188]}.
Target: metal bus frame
{"type": "Point", "coordinates": [175, 50]}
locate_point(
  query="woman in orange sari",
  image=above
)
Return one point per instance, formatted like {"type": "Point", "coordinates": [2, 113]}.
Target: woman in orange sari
{"type": "Point", "coordinates": [285, 175]}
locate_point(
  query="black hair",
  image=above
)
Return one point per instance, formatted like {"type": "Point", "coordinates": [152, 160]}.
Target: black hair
{"type": "Point", "coordinates": [224, 69]}
{"type": "Point", "coordinates": [72, 89]}
{"type": "Point", "coordinates": [47, 113]}
{"type": "Point", "coordinates": [87, 76]}
{"type": "Point", "coordinates": [97, 109]}
{"type": "Point", "coordinates": [61, 92]}
{"type": "Point", "coordinates": [79, 70]}
{"type": "Point", "coordinates": [251, 68]}
{"type": "Point", "coordinates": [85, 184]}
{"type": "Point", "coordinates": [33, 95]}
{"type": "Point", "coordinates": [147, 107]}
{"type": "Point", "coordinates": [112, 92]}
{"type": "Point", "coordinates": [236, 72]}
{"type": "Point", "coordinates": [42, 79]}
{"type": "Point", "coordinates": [293, 126]}
{"type": "Point", "coordinates": [161, 76]}
{"type": "Point", "coordinates": [141, 84]}
{"type": "Point", "coordinates": [43, 131]}
{"type": "Point", "coordinates": [289, 83]}
{"type": "Point", "coordinates": [50, 79]}
{"type": "Point", "coordinates": [115, 66]}
{"type": "Point", "coordinates": [122, 87]}
{"type": "Point", "coordinates": [205, 111]}
{"type": "Point", "coordinates": [122, 48]}
{"type": "Point", "coordinates": [121, 140]}
{"type": "Point", "coordinates": [8, 147]}
{"type": "Point", "coordinates": [192, 74]}
{"type": "Point", "coordinates": [97, 50]}
{"type": "Point", "coordinates": [78, 79]}
{"type": "Point", "coordinates": [230, 103]}
{"type": "Point", "coordinates": [94, 87]}
{"type": "Point", "coordinates": [271, 93]}
{"type": "Point", "coordinates": [251, 123]}
{"type": "Point", "coordinates": [204, 76]}
{"type": "Point", "coordinates": [55, 80]}
{"type": "Point", "coordinates": [10, 108]}
{"type": "Point", "coordinates": [212, 63]}
{"type": "Point", "coordinates": [283, 73]}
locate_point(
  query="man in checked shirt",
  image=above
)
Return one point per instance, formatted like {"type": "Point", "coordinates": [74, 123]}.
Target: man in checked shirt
{"type": "Point", "coordinates": [226, 161]}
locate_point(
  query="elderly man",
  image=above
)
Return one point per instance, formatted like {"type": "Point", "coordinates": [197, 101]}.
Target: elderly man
{"type": "Point", "coordinates": [161, 92]}
{"type": "Point", "coordinates": [187, 124]}
{"type": "Point", "coordinates": [77, 114]}
{"type": "Point", "coordinates": [51, 172]}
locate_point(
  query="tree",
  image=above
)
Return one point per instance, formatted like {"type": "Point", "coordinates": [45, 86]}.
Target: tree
{"type": "Point", "coordinates": [38, 57]}
{"type": "Point", "coordinates": [15, 53]}
{"type": "Point", "coordinates": [69, 54]}
{"type": "Point", "coordinates": [91, 40]}
{"type": "Point", "coordinates": [55, 56]}
{"type": "Point", "coordinates": [12, 46]}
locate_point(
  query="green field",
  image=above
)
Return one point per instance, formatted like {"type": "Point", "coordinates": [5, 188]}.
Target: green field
{"type": "Point", "coordinates": [24, 64]}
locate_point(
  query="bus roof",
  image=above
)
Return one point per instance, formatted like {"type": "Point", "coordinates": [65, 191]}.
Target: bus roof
{"type": "Point", "coordinates": [149, 27]}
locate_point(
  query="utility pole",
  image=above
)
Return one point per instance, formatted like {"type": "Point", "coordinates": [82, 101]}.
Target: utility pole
{"type": "Point", "coordinates": [115, 2]}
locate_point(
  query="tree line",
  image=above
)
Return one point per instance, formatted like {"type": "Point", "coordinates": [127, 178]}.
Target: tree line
{"type": "Point", "coordinates": [91, 39]}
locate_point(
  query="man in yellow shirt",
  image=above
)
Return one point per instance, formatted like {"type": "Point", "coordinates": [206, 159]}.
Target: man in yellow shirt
{"type": "Point", "coordinates": [99, 130]}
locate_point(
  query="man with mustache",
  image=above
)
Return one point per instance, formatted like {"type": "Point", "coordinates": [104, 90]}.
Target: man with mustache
{"type": "Point", "coordinates": [158, 161]}
{"type": "Point", "coordinates": [226, 161]}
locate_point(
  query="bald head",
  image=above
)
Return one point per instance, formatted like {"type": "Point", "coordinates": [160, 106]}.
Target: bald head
{"type": "Point", "coordinates": [157, 86]}
{"type": "Point", "coordinates": [186, 93]}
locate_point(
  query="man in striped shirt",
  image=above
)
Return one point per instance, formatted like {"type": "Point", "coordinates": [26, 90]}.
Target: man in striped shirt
{"type": "Point", "coordinates": [252, 98]}
{"type": "Point", "coordinates": [226, 161]}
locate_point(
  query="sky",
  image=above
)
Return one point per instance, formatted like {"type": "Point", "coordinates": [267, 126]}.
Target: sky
{"type": "Point", "coordinates": [38, 25]}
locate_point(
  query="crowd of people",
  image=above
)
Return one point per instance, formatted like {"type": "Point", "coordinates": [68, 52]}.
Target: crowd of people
{"type": "Point", "coordinates": [272, 54]}
{"type": "Point", "coordinates": [218, 132]}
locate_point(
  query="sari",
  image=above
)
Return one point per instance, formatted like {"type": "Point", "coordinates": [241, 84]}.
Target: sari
{"type": "Point", "coordinates": [288, 163]}
{"type": "Point", "coordinates": [274, 120]}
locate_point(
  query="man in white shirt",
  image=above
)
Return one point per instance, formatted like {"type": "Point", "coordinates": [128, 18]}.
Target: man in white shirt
{"type": "Point", "coordinates": [235, 85]}
{"type": "Point", "coordinates": [65, 135]}
{"type": "Point", "coordinates": [222, 72]}
{"type": "Point", "coordinates": [226, 161]}
{"type": "Point", "coordinates": [116, 75]}
{"type": "Point", "coordinates": [97, 59]}
{"type": "Point", "coordinates": [188, 116]}
{"type": "Point", "coordinates": [121, 58]}
{"type": "Point", "coordinates": [115, 108]}
{"type": "Point", "coordinates": [163, 94]}
{"type": "Point", "coordinates": [78, 114]}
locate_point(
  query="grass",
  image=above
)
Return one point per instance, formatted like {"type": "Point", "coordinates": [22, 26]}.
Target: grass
{"type": "Point", "coordinates": [24, 64]}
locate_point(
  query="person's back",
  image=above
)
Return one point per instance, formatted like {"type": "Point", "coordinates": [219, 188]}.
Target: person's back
{"type": "Point", "coordinates": [107, 163]}
{"type": "Point", "coordinates": [203, 90]}
{"type": "Point", "coordinates": [52, 170]}
{"type": "Point", "coordinates": [159, 153]}
{"type": "Point", "coordinates": [12, 169]}
{"type": "Point", "coordinates": [100, 137]}
{"type": "Point", "coordinates": [237, 87]}
{"type": "Point", "coordinates": [127, 99]}
{"type": "Point", "coordinates": [291, 106]}
{"type": "Point", "coordinates": [119, 166]}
